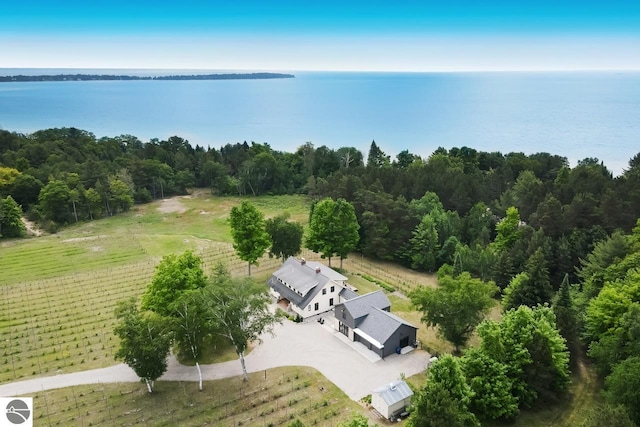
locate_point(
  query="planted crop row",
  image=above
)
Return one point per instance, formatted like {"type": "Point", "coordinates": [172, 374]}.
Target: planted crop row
{"type": "Point", "coordinates": [286, 394]}
{"type": "Point", "coordinates": [26, 262]}
{"type": "Point", "coordinates": [65, 324]}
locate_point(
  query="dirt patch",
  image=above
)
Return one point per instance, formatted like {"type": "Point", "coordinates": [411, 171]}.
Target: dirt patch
{"type": "Point", "coordinates": [172, 205]}
{"type": "Point", "coordinates": [32, 228]}
{"type": "Point", "coordinates": [82, 239]}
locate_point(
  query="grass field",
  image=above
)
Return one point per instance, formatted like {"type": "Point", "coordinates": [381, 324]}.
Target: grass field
{"type": "Point", "coordinates": [285, 395]}
{"type": "Point", "coordinates": [58, 293]}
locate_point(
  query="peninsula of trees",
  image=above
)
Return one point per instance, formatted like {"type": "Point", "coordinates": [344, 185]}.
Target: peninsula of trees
{"type": "Point", "coordinates": [96, 77]}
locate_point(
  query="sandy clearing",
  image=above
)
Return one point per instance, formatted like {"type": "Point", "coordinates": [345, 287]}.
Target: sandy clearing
{"type": "Point", "coordinates": [172, 205]}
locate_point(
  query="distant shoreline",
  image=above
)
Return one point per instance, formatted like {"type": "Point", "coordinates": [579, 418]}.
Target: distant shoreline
{"type": "Point", "coordinates": [108, 77]}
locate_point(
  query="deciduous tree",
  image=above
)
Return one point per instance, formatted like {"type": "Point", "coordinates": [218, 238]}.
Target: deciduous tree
{"type": "Point", "coordinates": [248, 229]}
{"type": "Point", "coordinates": [456, 306]}
{"type": "Point", "coordinates": [286, 236]}
{"type": "Point", "coordinates": [54, 201]}
{"type": "Point", "coordinates": [175, 275]}
{"type": "Point", "coordinates": [492, 395]}
{"type": "Point", "coordinates": [192, 326]}
{"type": "Point", "coordinates": [528, 343]}
{"type": "Point", "coordinates": [333, 229]}
{"type": "Point", "coordinates": [240, 312]}
{"type": "Point", "coordinates": [11, 224]}
{"type": "Point", "coordinates": [623, 386]}
{"type": "Point", "coordinates": [444, 399]}
{"type": "Point", "coordinates": [145, 340]}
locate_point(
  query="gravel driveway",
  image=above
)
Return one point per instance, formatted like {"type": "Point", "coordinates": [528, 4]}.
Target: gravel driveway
{"type": "Point", "coordinates": [295, 344]}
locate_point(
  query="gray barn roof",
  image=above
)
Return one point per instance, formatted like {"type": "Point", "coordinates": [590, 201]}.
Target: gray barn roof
{"type": "Point", "coordinates": [380, 324]}
{"type": "Point", "coordinates": [361, 306]}
{"type": "Point", "coordinates": [299, 281]}
{"type": "Point", "coordinates": [394, 392]}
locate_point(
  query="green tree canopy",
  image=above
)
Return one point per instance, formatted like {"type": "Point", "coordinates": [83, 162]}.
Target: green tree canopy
{"type": "Point", "coordinates": [286, 236]}
{"type": "Point", "coordinates": [239, 310]}
{"type": "Point", "coordinates": [333, 229]}
{"type": "Point", "coordinates": [248, 229]}
{"type": "Point", "coordinates": [492, 397]}
{"type": "Point", "coordinates": [607, 415]}
{"type": "Point", "coordinates": [623, 386]}
{"type": "Point", "coordinates": [456, 306]}
{"type": "Point", "coordinates": [192, 326]}
{"type": "Point", "coordinates": [11, 224]}
{"type": "Point", "coordinates": [528, 343]}
{"type": "Point", "coordinates": [54, 200]}
{"type": "Point", "coordinates": [444, 399]}
{"type": "Point", "coordinates": [508, 229]}
{"type": "Point", "coordinates": [175, 274]}
{"type": "Point", "coordinates": [145, 340]}
{"type": "Point", "coordinates": [531, 287]}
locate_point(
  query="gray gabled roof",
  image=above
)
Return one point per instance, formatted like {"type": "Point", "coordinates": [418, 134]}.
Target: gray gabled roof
{"type": "Point", "coordinates": [347, 293]}
{"type": "Point", "coordinates": [326, 271]}
{"type": "Point", "coordinates": [394, 392]}
{"type": "Point", "coordinates": [361, 306]}
{"type": "Point", "coordinates": [300, 281]}
{"type": "Point", "coordinates": [380, 324]}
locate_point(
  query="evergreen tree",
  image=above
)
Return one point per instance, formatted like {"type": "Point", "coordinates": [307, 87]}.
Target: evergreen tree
{"type": "Point", "coordinates": [566, 320]}
{"type": "Point", "coordinates": [531, 287]}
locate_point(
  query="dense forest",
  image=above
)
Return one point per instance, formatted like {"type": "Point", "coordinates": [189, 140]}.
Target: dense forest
{"type": "Point", "coordinates": [544, 232]}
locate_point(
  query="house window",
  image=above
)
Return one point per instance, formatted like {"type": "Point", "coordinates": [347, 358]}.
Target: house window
{"type": "Point", "coordinates": [309, 307]}
{"type": "Point", "coordinates": [330, 302]}
{"type": "Point", "coordinates": [324, 291]}
{"type": "Point", "coordinates": [333, 288]}
{"type": "Point", "coordinates": [344, 316]}
{"type": "Point", "coordinates": [317, 306]}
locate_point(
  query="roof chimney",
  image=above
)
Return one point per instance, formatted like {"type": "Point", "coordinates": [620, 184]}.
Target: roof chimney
{"type": "Point", "coordinates": [317, 270]}
{"type": "Point", "coordinates": [303, 261]}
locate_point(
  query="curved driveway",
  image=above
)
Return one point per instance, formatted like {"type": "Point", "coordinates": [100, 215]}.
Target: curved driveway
{"type": "Point", "coordinates": [302, 344]}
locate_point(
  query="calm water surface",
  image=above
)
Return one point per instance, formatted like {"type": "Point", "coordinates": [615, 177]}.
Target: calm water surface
{"type": "Point", "coordinates": [576, 115]}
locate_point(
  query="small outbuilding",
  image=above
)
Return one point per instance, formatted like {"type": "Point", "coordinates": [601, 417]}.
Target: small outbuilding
{"type": "Point", "coordinates": [391, 401]}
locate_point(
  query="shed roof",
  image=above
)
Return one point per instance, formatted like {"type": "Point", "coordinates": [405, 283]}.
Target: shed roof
{"type": "Point", "coordinates": [394, 392]}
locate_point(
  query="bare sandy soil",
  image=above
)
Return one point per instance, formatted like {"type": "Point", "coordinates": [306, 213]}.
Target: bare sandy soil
{"type": "Point", "coordinates": [32, 228]}
{"type": "Point", "coordinates": [172, 205]}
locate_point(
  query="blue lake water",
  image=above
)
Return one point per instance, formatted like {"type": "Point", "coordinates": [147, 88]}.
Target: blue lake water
{"type": "Point", "coordinates": [573, 114]}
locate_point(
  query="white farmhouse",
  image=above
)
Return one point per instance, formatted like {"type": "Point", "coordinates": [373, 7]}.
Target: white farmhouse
{"type": "Point", "coordinates": [308, 288]}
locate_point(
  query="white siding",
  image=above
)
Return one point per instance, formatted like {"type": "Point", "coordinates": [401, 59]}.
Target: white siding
{"type": "Point", "coordinates": [380, 405]}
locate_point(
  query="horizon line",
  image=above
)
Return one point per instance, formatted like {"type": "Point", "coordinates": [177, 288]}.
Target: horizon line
{"type": "Point", "coordinates": [480, 70]}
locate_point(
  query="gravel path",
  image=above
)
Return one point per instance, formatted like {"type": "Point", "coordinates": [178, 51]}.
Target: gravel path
{"type": "Point", "coordinates": [305, 344]}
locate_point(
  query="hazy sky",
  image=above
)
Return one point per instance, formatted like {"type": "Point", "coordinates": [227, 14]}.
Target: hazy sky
{"type": "Point", "coordinates": [322, 35]}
